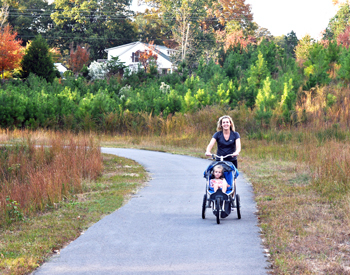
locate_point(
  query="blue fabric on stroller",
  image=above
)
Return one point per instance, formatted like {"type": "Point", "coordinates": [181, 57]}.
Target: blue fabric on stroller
{"type": "Point", "coordinates": [230, 173]}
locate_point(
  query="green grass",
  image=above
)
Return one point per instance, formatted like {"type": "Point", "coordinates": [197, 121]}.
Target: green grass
{"type": "Point", "coordinates": [25, 245]}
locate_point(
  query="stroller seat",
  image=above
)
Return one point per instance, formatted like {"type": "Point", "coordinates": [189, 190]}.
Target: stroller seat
{"type": "Point", "coordinates": [230, 173]}
{"type": "Point", "coordinates": [229, 179]}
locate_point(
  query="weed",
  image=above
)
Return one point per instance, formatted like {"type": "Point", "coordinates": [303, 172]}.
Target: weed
{"type": "Point", "coordinates": [13, 211]}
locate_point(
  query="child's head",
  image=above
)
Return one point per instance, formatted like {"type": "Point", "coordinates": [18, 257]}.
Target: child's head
{"type": "Point", "coordinates": [218, 171]}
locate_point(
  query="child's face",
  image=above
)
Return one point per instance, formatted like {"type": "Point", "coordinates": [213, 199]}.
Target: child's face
{"type": "Point", "coordinates": [217, 173]}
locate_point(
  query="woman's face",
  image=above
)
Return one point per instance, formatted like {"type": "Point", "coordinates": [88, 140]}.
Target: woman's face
{"type": "Point", "coordinates": [225, 123]}
{"type": "Point", "coordinates": [217, 173]}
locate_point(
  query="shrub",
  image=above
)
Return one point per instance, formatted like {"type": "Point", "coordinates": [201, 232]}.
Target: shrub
{"type": "Point", "coordinates": [97, 70]}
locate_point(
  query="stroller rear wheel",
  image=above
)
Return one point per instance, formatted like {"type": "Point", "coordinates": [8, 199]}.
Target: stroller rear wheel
{"type": "Point", "coordinates": [238, 203]}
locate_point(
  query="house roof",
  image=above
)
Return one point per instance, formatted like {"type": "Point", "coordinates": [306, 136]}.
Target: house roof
{"type": "Point", "coordinates": [124, 45]}
{"type": "Point", "coordinates": [133, 44]}
{"type": "Point", "coordinates": [60, 67]}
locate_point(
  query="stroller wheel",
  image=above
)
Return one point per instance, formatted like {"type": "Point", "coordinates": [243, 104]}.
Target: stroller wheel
{"type": "Point", "coordinates": [218, 207]}
{"type": "Point", "coordinates": [232, 203]}
{"type": "Point", "coordinates": [204, 206]}
{"type": "Point", "coordinates": [238, 203]}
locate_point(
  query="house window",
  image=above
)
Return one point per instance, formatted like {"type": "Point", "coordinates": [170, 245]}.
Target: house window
{"type": "Point", "coordinates": [135, 57]}
{"type": "Point", "coordinates": [164, 71]}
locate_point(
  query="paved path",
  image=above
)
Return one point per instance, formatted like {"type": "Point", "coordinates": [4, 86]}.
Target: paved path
{"type": "Point", "coordinates": [160, 230]}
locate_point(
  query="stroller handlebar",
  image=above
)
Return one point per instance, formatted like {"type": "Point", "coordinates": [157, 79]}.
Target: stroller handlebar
{"type": "Point", "coordinates": [214, 156]}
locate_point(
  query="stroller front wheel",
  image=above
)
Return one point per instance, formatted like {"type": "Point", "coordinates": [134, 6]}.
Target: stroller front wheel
{"type": "Point", "coordinates": [218, 207]}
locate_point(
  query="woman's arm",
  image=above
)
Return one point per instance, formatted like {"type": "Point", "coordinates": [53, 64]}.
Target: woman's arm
{"type": "Point", "coordinates": [238, 147]}
{"type": "Point", "coordinates": [210, 146]}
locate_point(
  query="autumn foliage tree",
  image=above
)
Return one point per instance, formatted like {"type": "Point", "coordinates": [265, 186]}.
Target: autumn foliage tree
{"type": "Point", "coordinates": [236, 10]}
{"type": "Point", "coordinates": [147, 56]}
{"type": "Point", "coordinates": [237, 38]}
{"type": "Point", "coordinates": [344, 38]}
{"type": "Point", "coordinates": [78, 58]}
{"type": "Point", "coordinates": [11, 51]}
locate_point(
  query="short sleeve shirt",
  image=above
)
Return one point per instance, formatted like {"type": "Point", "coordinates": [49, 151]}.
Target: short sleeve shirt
{"type": "Point", "coordinates": [226, 147]}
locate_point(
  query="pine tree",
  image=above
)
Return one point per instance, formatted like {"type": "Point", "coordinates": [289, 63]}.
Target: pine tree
{"type": "Point", "coordinates": [257, 74]}
{"type": "Point", "coordinates": [38, 60]}
{"type": "Point", "coordinates": [287, 100]}
{"type": "Point", "coordinates": [344, 71]}
{"type": "Point", "coordinates": [265, 102]}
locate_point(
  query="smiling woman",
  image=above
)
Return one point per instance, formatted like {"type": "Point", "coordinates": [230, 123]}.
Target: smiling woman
{"type": "Point", "coordinates": [227, 139]}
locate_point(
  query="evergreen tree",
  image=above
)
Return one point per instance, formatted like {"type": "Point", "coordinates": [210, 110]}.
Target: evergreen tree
{"type": "Point", "coordinates": [256, 75]}
{"type": "Point", "coordinates": [338, 23]}
{"type": "Point", "coordinates": [38, 60]}
{"type": "Point", "coordinates": [269, 51]}
{"type": "Point", "coordinates": [288, 100]}
{"type": "Point", "coordinates": [344, 71]}
{"type": "Point", "coordinates": [290, 42]}
{"type": "Point", "coordinates": [316, 66]}
{"type": "Point", "coordinates": [265, 102]}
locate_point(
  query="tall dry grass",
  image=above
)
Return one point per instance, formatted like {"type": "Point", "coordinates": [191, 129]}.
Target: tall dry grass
{"type": "Point", "coordinates": [33, 175]}
{"type": "Point", "coordinates": [323, 107]}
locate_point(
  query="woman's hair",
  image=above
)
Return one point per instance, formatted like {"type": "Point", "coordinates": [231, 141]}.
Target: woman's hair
{"type": "Point", "coordinates": [219, 167]}
{"type": "Point", "coordinates": [219, 125]}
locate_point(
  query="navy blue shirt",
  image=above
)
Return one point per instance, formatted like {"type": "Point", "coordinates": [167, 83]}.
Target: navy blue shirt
{"type": "Point", "coordinates": [226, 147]}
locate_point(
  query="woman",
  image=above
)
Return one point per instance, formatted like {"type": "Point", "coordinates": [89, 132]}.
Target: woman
{"type": "Point", "coordinates": [228, 140]}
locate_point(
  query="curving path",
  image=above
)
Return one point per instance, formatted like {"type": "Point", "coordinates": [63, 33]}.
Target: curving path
{"type": "Point", "coordinates": [160, 230]}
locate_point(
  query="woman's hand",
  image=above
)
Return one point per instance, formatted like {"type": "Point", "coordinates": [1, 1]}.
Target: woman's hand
{"type": "Point", "coordinates": [207, 153]}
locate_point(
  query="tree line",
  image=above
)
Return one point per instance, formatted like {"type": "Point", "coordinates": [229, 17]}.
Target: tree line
{"type": "Point", "coordinates": [235, 64]}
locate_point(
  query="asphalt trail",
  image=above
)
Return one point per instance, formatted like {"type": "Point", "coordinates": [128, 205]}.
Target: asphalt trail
{"type": "Point", "coordinates": [160, 230]}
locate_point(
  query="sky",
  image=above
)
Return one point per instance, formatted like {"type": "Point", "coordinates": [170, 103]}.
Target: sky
{"type": "Point", "coordinates": [280, 17]}
{"type": "Point", "coordinates": [302, 16]}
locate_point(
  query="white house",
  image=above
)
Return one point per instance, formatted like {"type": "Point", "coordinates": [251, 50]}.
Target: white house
{"type": "Point", "coordinates": [129, 54]}
{"type": "Point", "coordinates": [60, 67]}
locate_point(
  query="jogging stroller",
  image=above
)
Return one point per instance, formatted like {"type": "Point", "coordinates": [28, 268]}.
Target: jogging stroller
{"type": "Point", "coordinates": [221, 203]}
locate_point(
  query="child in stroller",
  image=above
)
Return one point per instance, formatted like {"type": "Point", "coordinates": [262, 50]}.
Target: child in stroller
{"type": "Point", "coordinates": [218, 181]}
{"type": "Point", "coordinates": [220, 200]}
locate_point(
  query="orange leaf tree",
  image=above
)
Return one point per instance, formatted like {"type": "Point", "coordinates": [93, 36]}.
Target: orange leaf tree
{"type": "Point", "coordinates": [78, 58]}
{"type": "Point", "coordinates": [228, 10]}
{"type": "Point", "coordinates": [148, 55]}
{"type": "Point", "coordinates": [236, 38]}
{"type": "Point", "coordinates": [344, 38]}
{"type": "Point", "coordinates": [11, 51]}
